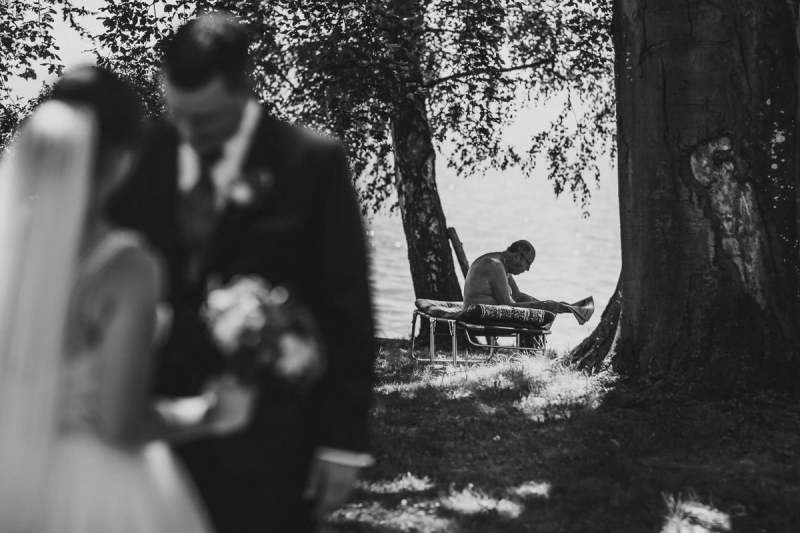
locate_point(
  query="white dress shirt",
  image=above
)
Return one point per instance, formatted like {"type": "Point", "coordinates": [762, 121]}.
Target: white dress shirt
{"type": "Point", "coordinates": [223, 173]}
{"type": "Point", "coordinates": [229, 166]}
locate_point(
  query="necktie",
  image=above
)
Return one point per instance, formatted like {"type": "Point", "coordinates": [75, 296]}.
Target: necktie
{"type": "Point", "coordinates": [198, 214]}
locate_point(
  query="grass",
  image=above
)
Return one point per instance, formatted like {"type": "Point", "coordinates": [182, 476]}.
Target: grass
{"type": "Point", "coordinates": [532, 445]}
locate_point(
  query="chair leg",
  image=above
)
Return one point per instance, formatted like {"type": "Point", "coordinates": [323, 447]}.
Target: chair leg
{"type": "Point", "coordinates": [432, 344]}
{"type": "Point", "coordinates": [539, 344]}
{"type": "Point", "coordinates": [413, 335]}
{"type": "Point", "coordinates": [453, 341]}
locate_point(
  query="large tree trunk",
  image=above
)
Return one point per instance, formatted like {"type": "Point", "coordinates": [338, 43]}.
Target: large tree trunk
{"type": "Point", "coordinates": [794, 7]}
{"type": "Point", "coordinates": [432, 270]}
{"type": "Point", "coordinates": [707, 168]}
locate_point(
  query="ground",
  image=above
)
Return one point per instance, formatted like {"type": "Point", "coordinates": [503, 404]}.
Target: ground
{"type": "Point", "coordinates": [529, 444]}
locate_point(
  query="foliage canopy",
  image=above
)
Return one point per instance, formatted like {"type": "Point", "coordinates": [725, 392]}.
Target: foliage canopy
{"type": "Point", "coordinates": [343, 66]}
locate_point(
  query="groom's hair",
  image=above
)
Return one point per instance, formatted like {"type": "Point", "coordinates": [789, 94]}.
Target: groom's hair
{"type": "Point", "coordinates": [213, 44]}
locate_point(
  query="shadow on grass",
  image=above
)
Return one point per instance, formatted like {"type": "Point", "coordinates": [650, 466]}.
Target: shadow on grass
{"type": "Point", "coordinates": [533, 446]}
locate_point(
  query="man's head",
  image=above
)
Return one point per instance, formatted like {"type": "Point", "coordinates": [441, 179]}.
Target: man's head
{"type": "Point", "coordinates": [207, 74]}
{"type": "Point", "coordinates": [519, 257]}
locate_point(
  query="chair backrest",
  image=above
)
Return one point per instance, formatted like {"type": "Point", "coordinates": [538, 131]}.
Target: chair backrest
{"type": "Point", "coordinates": [458, 248]}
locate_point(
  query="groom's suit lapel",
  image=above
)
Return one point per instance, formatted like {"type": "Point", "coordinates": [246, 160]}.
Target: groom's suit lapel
{"type": "Point", "coordinates": [165, 204]}
{"type": "Point", "coordinates": [264, 157]}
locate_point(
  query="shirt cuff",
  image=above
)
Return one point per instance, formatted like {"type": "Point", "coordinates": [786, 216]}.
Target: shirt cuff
{"type": "Point", "coordinates": [344, 457]}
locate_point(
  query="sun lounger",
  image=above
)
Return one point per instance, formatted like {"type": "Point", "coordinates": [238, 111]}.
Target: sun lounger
{"type": "Point", "coordinates": [488, 321]}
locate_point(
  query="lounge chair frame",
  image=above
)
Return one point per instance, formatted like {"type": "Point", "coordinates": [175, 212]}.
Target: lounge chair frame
{"type": "Point", "coordinates": [490, 331]}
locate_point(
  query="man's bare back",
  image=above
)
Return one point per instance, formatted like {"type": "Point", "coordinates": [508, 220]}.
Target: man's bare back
{"type": "Point", "coordinates": [487, 281]}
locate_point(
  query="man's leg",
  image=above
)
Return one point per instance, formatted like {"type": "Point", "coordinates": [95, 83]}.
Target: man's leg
{"type": "Point", "coordinates": [546, 305]}
{"type": "Point", "coordinates": [582, 309]}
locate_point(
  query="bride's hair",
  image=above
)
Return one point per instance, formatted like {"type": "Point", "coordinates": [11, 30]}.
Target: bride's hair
{"type": "Point", "coordinates": [114, 103]}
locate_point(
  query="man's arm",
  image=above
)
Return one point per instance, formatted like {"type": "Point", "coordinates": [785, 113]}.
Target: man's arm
{"type": "Point", "coordinates": [344, 306]}
{"type": "Point", "coordinates": [517, 294]}
{"type": "Point", "coordinates": [498, 282]}
{"type": "Point", "coordinates": [346, 324]}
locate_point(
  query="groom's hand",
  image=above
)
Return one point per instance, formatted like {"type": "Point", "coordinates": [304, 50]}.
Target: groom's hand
{"type": "Point", "coordinates": [329, 485]}
{"type": "Point", "coordinates": [232, 406]}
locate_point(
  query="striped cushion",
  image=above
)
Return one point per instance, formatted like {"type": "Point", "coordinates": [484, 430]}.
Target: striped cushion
{"type": "Point", "coordinates": [440, 309]}
{"type": "Point", "coordinates": [487, 314]}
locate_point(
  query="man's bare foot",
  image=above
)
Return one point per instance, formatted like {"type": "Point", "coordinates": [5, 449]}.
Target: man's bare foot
{"type": "Point", "coordinates": [583, 309]}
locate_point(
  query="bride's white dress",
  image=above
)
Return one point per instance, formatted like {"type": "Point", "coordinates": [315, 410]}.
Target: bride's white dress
{"type": "Point", "coordinates": [94, 486]}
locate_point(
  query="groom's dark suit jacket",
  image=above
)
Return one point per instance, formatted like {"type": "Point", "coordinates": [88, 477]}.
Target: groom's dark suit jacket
{"type": "Point", "coordinates": [302, 229]}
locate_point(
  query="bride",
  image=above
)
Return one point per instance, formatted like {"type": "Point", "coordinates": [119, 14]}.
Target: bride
{"type": "Point", "coordinates": [81, 439]}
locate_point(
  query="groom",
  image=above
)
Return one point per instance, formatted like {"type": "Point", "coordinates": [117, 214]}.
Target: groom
{"type": "Point", "coordinates": [224, 189]}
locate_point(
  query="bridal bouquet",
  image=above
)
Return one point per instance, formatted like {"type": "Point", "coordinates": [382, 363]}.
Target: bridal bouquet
{"type": "Point", "coordinates": [261, 328]}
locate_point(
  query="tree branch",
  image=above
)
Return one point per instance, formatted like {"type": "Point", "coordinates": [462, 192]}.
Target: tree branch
{"type": "Point", "coordinates": [486, 70]}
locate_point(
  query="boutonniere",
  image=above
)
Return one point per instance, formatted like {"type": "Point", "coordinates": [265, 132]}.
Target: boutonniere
{"type": "Point", "coordinates": [251, 187]}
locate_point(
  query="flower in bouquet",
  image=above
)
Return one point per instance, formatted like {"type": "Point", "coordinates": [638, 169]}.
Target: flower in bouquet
{"type": "Point", "coordinates": [236, 314]}
{"type": "Point", "coordinates": [260, 328]}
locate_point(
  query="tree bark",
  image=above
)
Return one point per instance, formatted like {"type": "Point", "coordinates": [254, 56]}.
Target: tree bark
{"type": "Point", "coordinates": [595, 352]}
{"type": "Point", "coordinates": [794, 9]}
{"type": "Point", "coordinates": [432, 270]}
{"type": "Point", "coordinates": [707, 106]}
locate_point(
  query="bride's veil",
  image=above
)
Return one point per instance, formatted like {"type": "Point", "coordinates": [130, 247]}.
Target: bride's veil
{"type": "Point", "coordinates": [45, 180]}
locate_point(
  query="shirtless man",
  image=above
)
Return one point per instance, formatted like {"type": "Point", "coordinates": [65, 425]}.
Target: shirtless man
{"type": "Point", "coordinates": [489, 281]}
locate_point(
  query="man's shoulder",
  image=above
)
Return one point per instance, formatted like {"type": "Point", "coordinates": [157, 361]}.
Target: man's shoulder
{"type": "Point", "coordinates": [158, 125]}
{"type": "Point", "coordinates": [488, 265]}
{"type": "Point", "coordinates": [159, 134]}
{"type": "Point", "coordinates": [490, 260]}
{"type": "Point", "coordinates": [298, 139]}
{"type": "Point", "coordinates": [316, 139]}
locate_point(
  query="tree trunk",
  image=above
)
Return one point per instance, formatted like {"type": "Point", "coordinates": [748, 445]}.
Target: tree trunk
{"type": "Point", "coordinates": [707, 172]}
{"type": "Point", "coordinates": [596, 351]}
{"type": "Point", "coordinates": [794, 8]}
{"type": "Point", "coordinates": [432, 270]}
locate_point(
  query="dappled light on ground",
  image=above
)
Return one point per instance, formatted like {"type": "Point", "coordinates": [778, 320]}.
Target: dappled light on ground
{"type": "Point", "coordinates": [405, 483]}
{"type": "Point", "coordinates": [435, 511]}
{"type": "Point", "coordinates": [549, 384]}
{"type": "Point", "coordinates": [529, 444]}
{"type": "Point", "coordinates": [470, 501]}
{"type": "Point", "coordinates": [457, 381]}
{"type": "Point", "coordinates": [560, 391]}
{"type": "Point", "coordinates": [376, 517]}
{"type": "Point", "coordinates": [532, 489]}
{"type": "Point", "coordinates": [691, 516]}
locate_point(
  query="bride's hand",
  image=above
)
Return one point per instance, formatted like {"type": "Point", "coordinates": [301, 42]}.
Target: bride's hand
{"type": "Point", "coordinates": [232, 405]}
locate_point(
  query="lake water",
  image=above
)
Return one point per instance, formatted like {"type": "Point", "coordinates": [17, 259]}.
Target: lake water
{"type": "Point", "coordinates": [575, 256]}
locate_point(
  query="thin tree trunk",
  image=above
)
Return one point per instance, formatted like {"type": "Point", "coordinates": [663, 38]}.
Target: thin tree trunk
{"type": "Point", "coordinates": [432, 270]}
{"type": "Point", "coordinates": [707, 168]}
{"type": "Point", "coordinates": [424, 224]}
